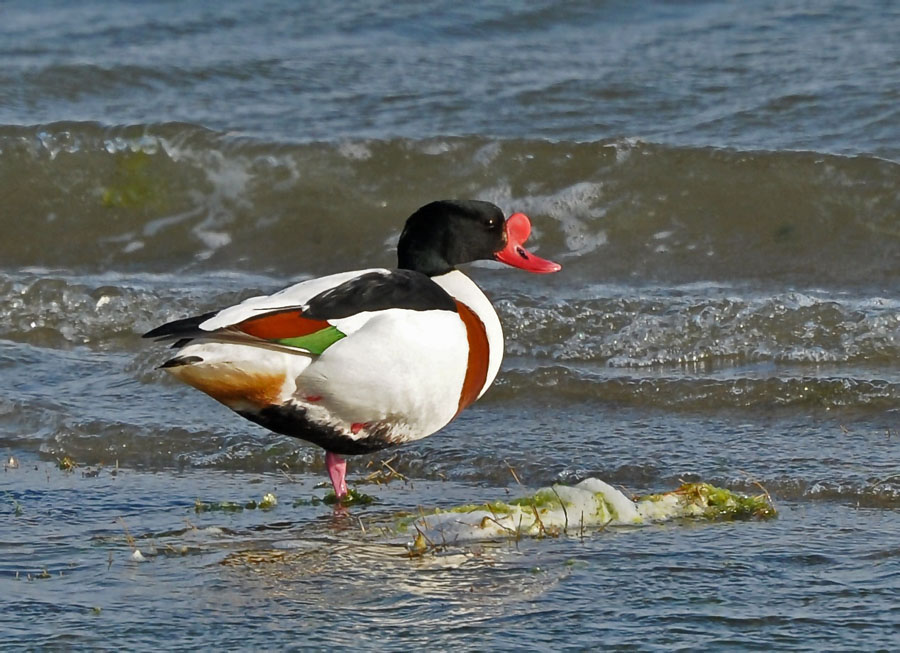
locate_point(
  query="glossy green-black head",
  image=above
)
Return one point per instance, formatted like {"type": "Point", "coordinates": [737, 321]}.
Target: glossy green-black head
{"type": "Point", "coordinates": [444, 234]}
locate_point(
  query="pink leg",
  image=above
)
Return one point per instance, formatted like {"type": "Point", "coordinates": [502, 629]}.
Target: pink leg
{"type": "Point", "coordinates": [337, 470]}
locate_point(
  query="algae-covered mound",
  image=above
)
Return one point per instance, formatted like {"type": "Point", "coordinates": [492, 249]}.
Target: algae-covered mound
{"type": "Point", "coordinates": [589, 505]}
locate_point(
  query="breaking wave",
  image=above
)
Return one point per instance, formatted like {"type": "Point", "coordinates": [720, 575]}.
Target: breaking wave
{"type": "Point", "coordinates": [178, 197]}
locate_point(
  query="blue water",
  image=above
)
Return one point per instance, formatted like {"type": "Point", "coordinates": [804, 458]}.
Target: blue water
{"type": "Point", "coordinates": [772, 75]}
{"type": "Point", "coordinates": [727, 311]}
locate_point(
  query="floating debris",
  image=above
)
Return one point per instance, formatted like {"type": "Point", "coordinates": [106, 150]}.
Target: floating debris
{"type": "Point", "coordinates": [268, 502]}
{"type": "Point", "coordinates": [353, 498]}
{"type": "Point", "coordinates": [385, 474]}
{"type": "Point", "coordinates": [66, 463]}
{"type": "Point", "coordinates": [556, 511]}
{"type": "Point", "coordinates": [17, 507]}
{"type": "Point", "coordinates": [219, 506]}
{"type": "Point", "coordinates": [254, 557]}
{"type": "Point", "coordinates": [312, 501]}
{"type": "Point", "coordinates": [590, 505]}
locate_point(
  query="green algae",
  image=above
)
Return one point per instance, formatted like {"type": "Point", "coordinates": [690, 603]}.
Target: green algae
{"type": "Point", "coordinates": [541, 499]}
{"type": "Point", "coordinates": [133, 184]}
{"type": "Point", "coordinates": [590, 505]}
{"type": "Point", "coordinates": [66, 464]}
{"type": "Point", "coordinates": [353, 498]}
{"type": "Point", "coordinates": [218, 506]}
{"type": "Point", "coordinates": [312, 501]}
{"type": "Point", "coordinates": [719, 504]}
{"type": "Point", "coordinates": [266, 503]}
{"type": "Point", "coordinates": [725, 505]}
{"type": "Point", "coordinates": [495, 507]}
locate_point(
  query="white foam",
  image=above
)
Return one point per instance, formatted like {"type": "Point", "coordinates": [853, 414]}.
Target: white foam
{"type": "Point", "coordinates": [576, 208]}
{"type": "Point", "coordinates": [355, 151]}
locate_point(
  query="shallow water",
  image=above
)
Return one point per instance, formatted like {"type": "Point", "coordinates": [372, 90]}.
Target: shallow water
{"type": "Point", "coordinates": [814, 578]}
{"type": "Point", "coordinates": [722, 191]}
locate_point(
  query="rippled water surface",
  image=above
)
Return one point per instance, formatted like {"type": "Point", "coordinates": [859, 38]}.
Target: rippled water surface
{"type": "Point", "coordinates": [720, 183]}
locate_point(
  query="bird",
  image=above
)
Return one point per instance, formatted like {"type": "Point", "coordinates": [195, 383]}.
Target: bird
{"type": "Point", "coordinates": [359, 361]}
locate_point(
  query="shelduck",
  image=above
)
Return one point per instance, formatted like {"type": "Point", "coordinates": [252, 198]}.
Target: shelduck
{"type": "Point", "coordinates": [358, 361]}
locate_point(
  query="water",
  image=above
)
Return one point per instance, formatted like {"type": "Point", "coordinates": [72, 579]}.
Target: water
{"type": "Point", "coordinates": [771, 75]}
{"type": "Point", "coordinates": [720, 182]}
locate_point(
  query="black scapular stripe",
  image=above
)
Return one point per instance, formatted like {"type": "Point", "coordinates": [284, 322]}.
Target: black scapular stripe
{"type": "Point", "coordinates": [372, 291]}
{"type": "Point", "coordinates": [377, 291]}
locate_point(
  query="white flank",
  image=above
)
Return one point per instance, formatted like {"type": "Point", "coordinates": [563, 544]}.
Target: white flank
{"type": "Point", "coordinates": [401, 367]}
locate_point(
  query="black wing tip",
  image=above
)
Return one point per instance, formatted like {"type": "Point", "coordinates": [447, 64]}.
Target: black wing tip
{"type": "Point", "coordinates": [158, 332]}
{"type": "Point", "coordinates": [178, 361]}
{"type": "Point", "coordinates": [189, 326]}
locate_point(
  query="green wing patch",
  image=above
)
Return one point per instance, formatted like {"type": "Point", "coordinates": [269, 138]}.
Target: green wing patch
{"type": "Point", "coordinates": [316, 342]}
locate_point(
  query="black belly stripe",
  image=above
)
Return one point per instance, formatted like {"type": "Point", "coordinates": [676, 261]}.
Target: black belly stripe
{"type": "Point", "coordinates": [294, 421]}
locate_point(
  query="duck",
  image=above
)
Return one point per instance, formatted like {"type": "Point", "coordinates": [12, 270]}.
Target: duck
{"type": "Point", "coordinates": [359, 361]}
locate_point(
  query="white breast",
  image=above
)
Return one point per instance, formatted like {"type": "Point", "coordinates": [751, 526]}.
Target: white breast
{"type": "Point", "coordinates": [402, 367]}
